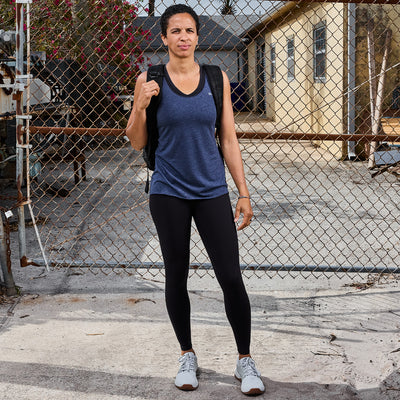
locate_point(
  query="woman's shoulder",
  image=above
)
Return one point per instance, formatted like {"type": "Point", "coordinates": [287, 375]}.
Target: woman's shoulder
{"type": "Point", "coordinates": [225, 76]}
{"type": "Point", "coordinates": [142, 77]}
{"type": "Point", "coordinates": [213, 68]}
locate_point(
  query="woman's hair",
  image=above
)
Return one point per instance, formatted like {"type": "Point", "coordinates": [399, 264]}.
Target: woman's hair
{"type": "Point", "coordinates": [177, 9]}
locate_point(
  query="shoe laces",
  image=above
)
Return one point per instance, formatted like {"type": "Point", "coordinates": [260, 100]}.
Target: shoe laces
{"type": "Point", "coordinates": [188, 363]}
{"type": "Point", "coordinates": [248, 367]}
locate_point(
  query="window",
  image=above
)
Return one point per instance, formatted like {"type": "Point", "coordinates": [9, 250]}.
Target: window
{"type": "Point", "coordinates": [290, 58]}
{"type": "Point", "coordinates": [273, 62]}
{"type": "Point", "coordinates": [319, 52]}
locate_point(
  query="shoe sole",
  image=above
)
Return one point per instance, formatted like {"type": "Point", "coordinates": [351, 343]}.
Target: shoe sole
{"type": "Point", "coordinates": [251, 392]}
{"type": "Point", "coordinates": [187, 388]}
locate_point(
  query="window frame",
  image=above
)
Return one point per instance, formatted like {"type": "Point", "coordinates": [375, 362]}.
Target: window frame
{"type": "Point", "coordinates": [291, 60]}
{"type": "Point", "coordinates": [318, 51]}
{"type": "Point", "coordinates": [272, 54]}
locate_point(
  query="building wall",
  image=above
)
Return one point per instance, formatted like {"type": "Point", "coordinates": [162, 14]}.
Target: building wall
{"type": "Point", "coordinates": [302, 104]}
{"type": "Point", "coordinates": [269, 83]}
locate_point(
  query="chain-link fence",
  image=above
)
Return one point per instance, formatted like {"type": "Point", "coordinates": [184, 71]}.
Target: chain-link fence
{"type": "Point", "coordinates": [316, 95]}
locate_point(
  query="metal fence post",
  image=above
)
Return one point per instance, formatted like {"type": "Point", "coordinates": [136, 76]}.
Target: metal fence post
{"type": "Point", "coordinates": [20, 147]}
{"type": "Point", "coordinates": [5, 258]}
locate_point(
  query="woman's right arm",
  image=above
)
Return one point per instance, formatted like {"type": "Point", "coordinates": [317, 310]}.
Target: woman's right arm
{"type": "Point", "coordinates": [136, 129]}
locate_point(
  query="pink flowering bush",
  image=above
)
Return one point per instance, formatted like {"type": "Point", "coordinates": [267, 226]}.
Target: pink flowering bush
{"type": "Point", "coordinates": [98, 34]}
{"type": "Point", "coordinates": [7, 14]}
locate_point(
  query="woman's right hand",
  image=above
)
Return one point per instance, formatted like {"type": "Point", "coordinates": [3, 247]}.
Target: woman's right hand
{"type": "Point", "coordinates": [136, 129]}
{"type": "Point", "coordinates": [146, 92]}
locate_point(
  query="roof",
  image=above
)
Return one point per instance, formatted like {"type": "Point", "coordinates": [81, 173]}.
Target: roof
{"type": "Point", "coordinates": [236, 24]}
{"type": "Point", "coordinates": [212, 36]}
{"type": "Point", "coordinates": [276, 8]}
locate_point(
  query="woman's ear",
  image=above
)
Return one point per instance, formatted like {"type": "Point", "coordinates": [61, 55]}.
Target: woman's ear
{"type": "Point", "coordinates": [164, 39]}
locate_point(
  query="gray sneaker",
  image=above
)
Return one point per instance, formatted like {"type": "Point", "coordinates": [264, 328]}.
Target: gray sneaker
{"type": "Point", "coordinates": [186, 378]}
{"type": "Point", "coordinates": [247, 373]}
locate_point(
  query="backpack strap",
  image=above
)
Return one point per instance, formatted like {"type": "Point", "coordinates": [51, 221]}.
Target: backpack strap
{"type": "Point", "coordinates": [156, 73]}
{"type": "Point", "coordinates": [216, 82]}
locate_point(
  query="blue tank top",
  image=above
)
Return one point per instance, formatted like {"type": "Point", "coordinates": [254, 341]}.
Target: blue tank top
{"type": "Point", "coordinates": [188, 163]}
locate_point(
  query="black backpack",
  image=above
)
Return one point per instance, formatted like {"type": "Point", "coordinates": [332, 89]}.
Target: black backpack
{"type": "Point", "coordinates": [156, 73]}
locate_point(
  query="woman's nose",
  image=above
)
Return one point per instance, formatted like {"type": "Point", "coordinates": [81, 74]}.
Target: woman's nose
{"type": "Point", "coordinates": [184, 35]}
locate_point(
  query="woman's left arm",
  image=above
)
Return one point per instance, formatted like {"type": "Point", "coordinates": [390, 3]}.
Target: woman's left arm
{"type": "Point", "coordinates": [233, 158]}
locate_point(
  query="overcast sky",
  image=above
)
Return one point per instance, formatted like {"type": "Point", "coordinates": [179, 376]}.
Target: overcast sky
{"type": "Point", "coordinates": [210, 7]}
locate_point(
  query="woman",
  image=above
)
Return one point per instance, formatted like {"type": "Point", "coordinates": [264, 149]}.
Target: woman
{"type": "Point", "coordinates": [189, 182]}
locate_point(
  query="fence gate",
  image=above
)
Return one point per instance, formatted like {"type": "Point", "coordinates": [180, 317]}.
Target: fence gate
{"type": "Point", "coordinates": [316, 96]}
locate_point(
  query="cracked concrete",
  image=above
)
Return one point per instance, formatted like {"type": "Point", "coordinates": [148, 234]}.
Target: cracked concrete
{"type": "Point", "coordinates": [110, 338]}
{"type": "Point", "coordinates": [107, 336]}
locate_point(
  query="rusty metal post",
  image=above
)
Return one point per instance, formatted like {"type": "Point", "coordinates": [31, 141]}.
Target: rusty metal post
{"type": "Point", "coordinates": [20, 146]}
{"type": "Point", "coordinates": [5, 257]}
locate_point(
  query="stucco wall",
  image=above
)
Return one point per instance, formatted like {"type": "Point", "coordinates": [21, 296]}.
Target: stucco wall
{"type": "Point", "coordinates": [302, 104]}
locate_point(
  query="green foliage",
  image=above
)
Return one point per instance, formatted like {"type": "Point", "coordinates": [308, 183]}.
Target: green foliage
{"type": "Point", "coordinates": [7, 15]}
{"type": "Point", "coordinates": [228, 7]}
{"type": "Point", "coordinates": [98, 34]}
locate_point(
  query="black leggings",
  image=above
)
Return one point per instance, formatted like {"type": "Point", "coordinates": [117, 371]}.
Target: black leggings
{"type": "Point", "coordinates": [214, 220]}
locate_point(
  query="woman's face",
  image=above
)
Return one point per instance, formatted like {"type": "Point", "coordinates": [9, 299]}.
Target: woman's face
{"type": "Point", "coordinates": [182, 36]}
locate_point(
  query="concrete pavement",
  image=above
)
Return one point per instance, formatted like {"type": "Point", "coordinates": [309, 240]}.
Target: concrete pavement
{"type": "Point", "coordinates": [84, 336]}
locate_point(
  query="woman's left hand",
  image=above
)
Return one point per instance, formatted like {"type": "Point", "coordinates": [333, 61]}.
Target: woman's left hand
{"type": "Point", "coordinates": [243, 206]}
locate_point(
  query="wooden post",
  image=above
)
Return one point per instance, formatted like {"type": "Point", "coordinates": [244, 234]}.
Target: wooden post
{"type": "Point", "coordinates": [371, 67]}
{"type": "Point", "coordinates": [372, 86]}
{"type": "Point", "coordinates": [376, 94]}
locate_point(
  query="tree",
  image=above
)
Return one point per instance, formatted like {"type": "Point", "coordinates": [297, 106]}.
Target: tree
{"type": "Point", "coordinates": [98, 34]}
{"type": "Point", "coordinates": [97, 46]}
{"type": "Point", "coordinates": [228, 7]}
{"type": "Point", "coordinates": [7, 15]}
{"type": "Point", "coordinates": [7, 23]}
{"type": "Point", "coordinates": [151, 8]}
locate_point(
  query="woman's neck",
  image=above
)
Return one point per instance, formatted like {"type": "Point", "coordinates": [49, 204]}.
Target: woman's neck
{"type": "Point", "coordinates": [185, 76]}
{"type": "Point", "coordinates": [182, 67]}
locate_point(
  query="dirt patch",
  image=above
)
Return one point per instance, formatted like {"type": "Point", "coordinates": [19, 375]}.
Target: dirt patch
{"type": "Point", "coordinates": [76, 300]}
{"type": "Point", "coordinates": [133, 301]}
{"type": "Point", "coordinates": [68, 299]}
{"type": "Point", "coordinates": [373, 281]}
{"type": "Point", "coordinates": [31, 299]}
{"type": "Point", "coordinates": [7, 299]}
